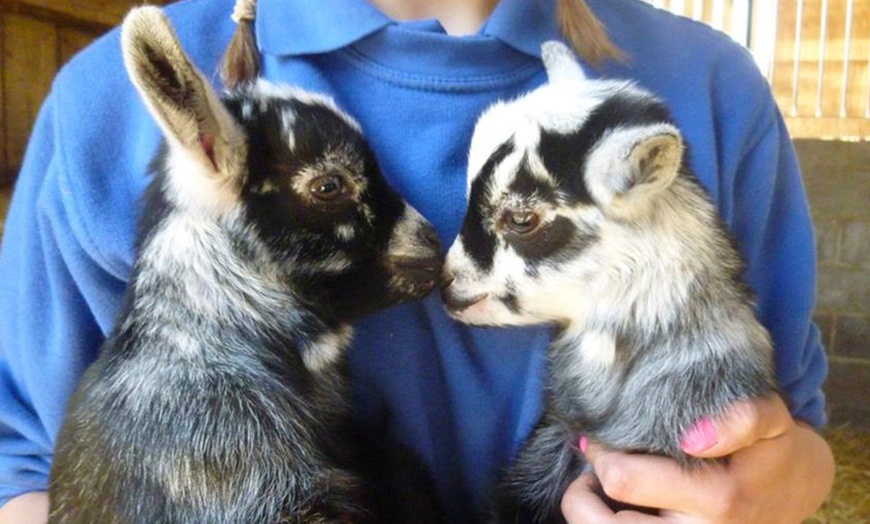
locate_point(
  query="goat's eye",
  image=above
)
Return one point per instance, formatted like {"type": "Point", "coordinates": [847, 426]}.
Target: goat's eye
{"type": "Point", "coordinates": [521, 222]}
{"type": "Point", "coordinates": [326, 187]}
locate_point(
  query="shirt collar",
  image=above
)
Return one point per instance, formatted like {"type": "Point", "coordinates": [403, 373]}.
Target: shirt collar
{"type": "Point", "coordinates": [524, 24]}
{"type": "Point", "coordinates": [297, 27]}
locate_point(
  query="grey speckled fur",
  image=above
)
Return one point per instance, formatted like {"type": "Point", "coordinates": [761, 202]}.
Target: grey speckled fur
{"type": "Point", "coordinates": [583, 213]}
{"type": "Point", "coordinates": [220, 396]}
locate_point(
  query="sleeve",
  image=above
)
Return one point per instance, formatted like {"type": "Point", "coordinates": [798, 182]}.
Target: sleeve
{"type": "Point", "coordinates": [764, 201]}
{"type": "Point", "coordinates": [52, 290]}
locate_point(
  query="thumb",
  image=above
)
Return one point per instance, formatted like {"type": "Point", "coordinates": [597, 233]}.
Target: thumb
{"type": "Point", "coordinates": [743, 424]}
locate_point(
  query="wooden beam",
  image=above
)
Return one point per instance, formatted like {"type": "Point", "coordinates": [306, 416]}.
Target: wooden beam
{"type": "Point", "coordinates": [830, 128]}
{"type": "Point", "coordinates": [29, 65]}
{"type": "Point", "coordinates": [6, 174]}
{"type": "Point", "coordinates": [105, 12]}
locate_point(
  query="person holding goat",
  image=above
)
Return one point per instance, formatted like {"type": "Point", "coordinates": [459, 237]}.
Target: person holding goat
{"type": "Point", "coordinates": [416, 76]}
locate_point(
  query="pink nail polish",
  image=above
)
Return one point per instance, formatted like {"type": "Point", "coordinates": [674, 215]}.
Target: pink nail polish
{"type": "Point", "coordinates": [700, 437]}
{"type": "Point", "coordinates": [583, 443]}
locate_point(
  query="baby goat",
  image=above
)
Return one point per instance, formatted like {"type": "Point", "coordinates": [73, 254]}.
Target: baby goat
{"type": "Point", "coordinates": [583, 213]}
{"type": "Point", "coordinates": [220, 395]}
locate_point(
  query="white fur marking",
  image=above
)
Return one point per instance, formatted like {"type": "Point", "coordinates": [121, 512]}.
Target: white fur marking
{"type": "Point", "coordinates": [598, 348]}
{"type": "Point", "coordinates": [325, 350]}
{"type": "Point", "coordinates": [345, 232]}
{"type": "Point", "coordinates": [288, 119]}
{"type": "Point", "coordinates": [270, 90]}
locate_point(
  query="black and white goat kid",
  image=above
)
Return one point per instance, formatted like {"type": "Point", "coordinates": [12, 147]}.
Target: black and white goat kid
{"type": "Point", "coordinates": [220, 395]}
{"type": "Point", "coordinates": [583, 213]}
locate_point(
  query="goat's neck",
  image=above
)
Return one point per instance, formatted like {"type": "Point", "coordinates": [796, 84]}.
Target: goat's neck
{"type": "Point", "coordinates": [195, 271]}
{"type": "Point", "coordinates": [651, 273]}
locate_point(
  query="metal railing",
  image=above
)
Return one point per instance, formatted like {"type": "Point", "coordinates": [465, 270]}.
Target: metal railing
{"type": "Point", "coordinates": [729, 16]}
{"type": "Point", "coordinates": [814, 53]}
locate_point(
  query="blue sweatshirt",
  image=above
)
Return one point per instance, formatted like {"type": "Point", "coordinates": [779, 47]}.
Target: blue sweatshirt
{"type": "Point", "coordinates": [464, 398]}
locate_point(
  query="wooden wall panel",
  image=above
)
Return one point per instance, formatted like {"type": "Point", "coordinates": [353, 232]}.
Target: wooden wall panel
{"type": "Point", "coordinates": [36, 38]}
{"type": "Point", "coordinates": [29, 65]}
{"type": "Point", "coordinates": [102, 12]}
{"type": "Point", "coordinates": [829, 101]}
{"type": "Point", "coordinates": [5, 173]}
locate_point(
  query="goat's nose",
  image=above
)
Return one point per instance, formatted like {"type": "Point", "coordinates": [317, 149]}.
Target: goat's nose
{"type": "Point", "coordinates": [447, 278]}
{"type": "Point", "coordinates": [429, 238]}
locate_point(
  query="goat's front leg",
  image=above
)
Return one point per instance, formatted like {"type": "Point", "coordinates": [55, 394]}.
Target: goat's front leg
{"type": "Point", "coordinates": [531, 491]}
{"type": "Point", "coordinates": [339, 499]}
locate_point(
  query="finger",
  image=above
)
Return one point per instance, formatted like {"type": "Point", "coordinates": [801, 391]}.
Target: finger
{"type": "Point", "coordinates": [580, 504]}
{"type": "Point", "coordinates": [739, 427]}
{"type": "Point", "coordinates": [659, 482]}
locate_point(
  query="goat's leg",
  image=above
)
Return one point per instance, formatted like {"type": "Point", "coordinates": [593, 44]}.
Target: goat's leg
{"type": "Point", "coordinates": [531, 491]}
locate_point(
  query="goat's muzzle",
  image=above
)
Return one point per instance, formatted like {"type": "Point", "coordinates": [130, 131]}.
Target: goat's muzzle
{"type": "Point", "coordinates": [417, 271]}
{"type": "Point", "coordinates": [455, 302]}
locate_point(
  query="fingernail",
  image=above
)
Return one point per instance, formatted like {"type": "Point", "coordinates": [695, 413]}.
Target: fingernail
{"type": "Point", "coordinates": [583, 443]}
{"type": "Point", "coordinates": [701, 437]}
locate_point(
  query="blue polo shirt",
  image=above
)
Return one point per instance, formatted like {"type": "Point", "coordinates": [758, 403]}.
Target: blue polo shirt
{"type": "Point", "coordinates": [464, 398]}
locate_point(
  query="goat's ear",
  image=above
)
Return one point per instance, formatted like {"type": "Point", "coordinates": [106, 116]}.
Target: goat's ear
{"type": "Point", "coordinates": [560, 63]}
{"type": "Point", "coordinates": [630, 163]}
{"type": "Point", "coordinates": [178, 95]}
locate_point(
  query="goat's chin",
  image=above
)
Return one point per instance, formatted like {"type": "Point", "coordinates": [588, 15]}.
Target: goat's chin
{"type": "Point", "coordinates": [407, 289]}
{"type": "Point", "coordinates": [489, 312]}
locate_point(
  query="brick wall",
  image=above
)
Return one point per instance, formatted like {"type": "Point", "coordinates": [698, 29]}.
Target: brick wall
{"type": "Point", "coordinates": [837, 177]}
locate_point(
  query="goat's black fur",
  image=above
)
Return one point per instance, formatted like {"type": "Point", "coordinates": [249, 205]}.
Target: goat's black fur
{"type": "Point", "coordinates": [220, 396]}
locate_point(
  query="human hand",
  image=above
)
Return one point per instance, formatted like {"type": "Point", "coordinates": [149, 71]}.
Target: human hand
{"type": "Point", "coordinates": [29, 508]}
{"type": "Point", "coordinates": [779, 472]}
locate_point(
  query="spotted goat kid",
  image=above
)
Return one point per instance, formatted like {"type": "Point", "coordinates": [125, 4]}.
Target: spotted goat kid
{"type": "Point", "coordinates": [583, 213]}
{"type": "Point", "coordinates": [220, 395]}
